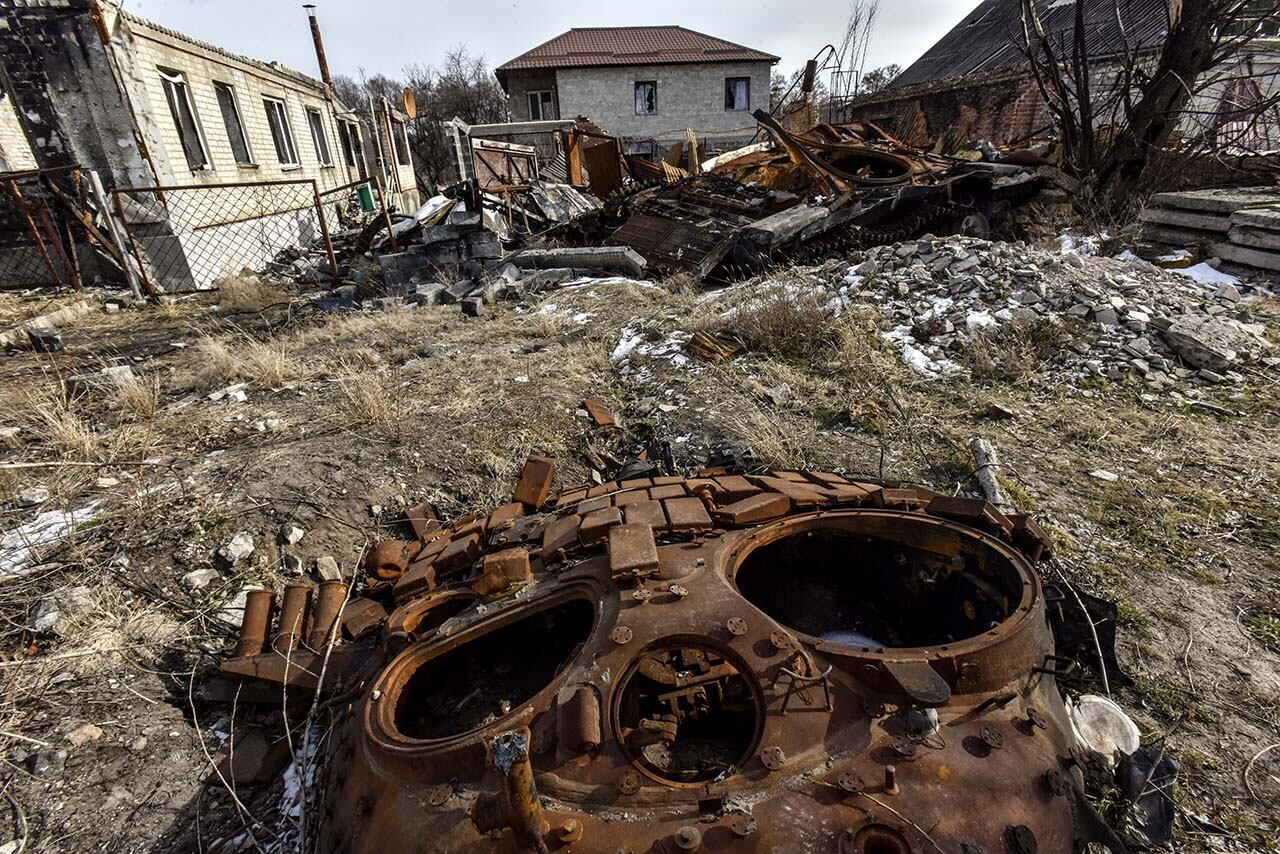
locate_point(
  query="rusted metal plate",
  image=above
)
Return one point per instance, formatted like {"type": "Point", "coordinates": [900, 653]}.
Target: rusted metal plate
{"type": "Point", "coordinates": [632, 548]}
{"type": "Point", "coordinates": [686, 514]}
{"type": "Point", "coordinates": [646, 513]}
{"type": "Point", "coordinates": [596, 524]}
{"type": "Point", "coordinates": [535, 482]}
{"type": "Point", "coordinates": [598, 412]}
{"type": "Point", "coordinates": [757, 508]}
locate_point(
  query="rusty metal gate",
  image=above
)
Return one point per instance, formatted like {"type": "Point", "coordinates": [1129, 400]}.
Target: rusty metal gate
{"type": "Point", "coordinates": [37, 244]}
{"type": "Point", "coordinates": [197, 237]}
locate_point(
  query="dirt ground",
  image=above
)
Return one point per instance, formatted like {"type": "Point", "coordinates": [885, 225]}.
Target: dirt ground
{"type": "Point", "coordinates": [106, 738]}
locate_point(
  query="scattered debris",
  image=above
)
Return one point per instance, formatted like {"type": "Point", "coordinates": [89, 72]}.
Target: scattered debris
{"type": "Point", "coordinates": [238, 549]}
{"type": "Point", "coordinates": [54, 609]}
{"type": "Point", "coordinates": [33, 497]}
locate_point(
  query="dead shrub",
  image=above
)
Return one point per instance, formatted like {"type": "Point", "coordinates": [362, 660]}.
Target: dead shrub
{"type": "Point", "coordinates": [248, 293]}
{"type": "Point", "coordinates": [787, 321]}
{"type": "Point", "coordinates": [224, 361]}
{"type": "Point", "coordinates": [1015, 351]}
{"type": "Point", "coordinates": [681, 284]}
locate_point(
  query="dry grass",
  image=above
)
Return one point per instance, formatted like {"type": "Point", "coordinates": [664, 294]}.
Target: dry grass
{"type": "Point", "coordinates": [117, 628]}
{"type": "Point", "coordinates": [59, 425]}
{"type": "Point", "coordinates": [788, 322]}
{"type": "Point", "coordinates": [137, 400]}
{"type": "Point", "coordinates": [364, 397]}
{"type": "Point", "coordinates": [248, 293]}
{"type": "Point", "coordinates": [222, 361]}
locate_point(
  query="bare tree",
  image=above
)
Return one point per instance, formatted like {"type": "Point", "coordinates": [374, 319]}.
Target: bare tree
{"type": "Point", "coordinates": [878, 78]}
{"type": "Point", "coordinates": [461, 86]}
{"type": "Point", "coordinates": [1118, 105]}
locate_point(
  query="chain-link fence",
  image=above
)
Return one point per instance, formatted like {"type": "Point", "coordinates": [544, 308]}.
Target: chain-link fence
{"type": "Point", "coordinates": [357, 206]}
{"type": "Point", "coordinates": [37, 246]}
{"type": "Point", "coordinates": [197, 237]}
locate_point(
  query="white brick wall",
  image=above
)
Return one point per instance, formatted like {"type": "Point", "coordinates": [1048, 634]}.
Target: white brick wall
{"type": "Point", "coordinates": [15, 152]}
{"type": "Point", "coordinates": [147, 50]}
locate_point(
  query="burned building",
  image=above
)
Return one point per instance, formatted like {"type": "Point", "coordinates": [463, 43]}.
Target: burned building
{"type": "Point", "coordinates": [87, 84]}
{"type": "Point", "coordinates": [975, 83]}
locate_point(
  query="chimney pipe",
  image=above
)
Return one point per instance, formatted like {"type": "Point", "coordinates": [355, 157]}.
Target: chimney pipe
{"type": "Point", "coordinates": [315, 36]}
{"type": "Point", "coordinates": [810, 72]}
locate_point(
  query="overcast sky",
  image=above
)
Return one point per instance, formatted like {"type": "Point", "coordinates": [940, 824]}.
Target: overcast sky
{"type": "Point", "coordinates": [385, 35]}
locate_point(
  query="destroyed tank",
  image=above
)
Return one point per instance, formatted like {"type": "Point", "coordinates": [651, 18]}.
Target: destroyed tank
{"type": "Point", "coordinates": [791, 662]}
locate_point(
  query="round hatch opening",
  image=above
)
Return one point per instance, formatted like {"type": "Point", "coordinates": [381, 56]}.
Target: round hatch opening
{"type": "Point", "coordinates": [688, 713]}
{"type": "Point", "coordinates": [882, 582]}
{"type": "Point", "coordinates": [486, 677]}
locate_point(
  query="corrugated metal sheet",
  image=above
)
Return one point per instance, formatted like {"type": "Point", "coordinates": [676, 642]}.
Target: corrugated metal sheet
{"type": "Point", "coordinates": [989, 37]}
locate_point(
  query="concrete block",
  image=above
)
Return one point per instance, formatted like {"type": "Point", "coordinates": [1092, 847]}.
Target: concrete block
{"type": "Point", "coordinates": [442, 254]}
{"type": "Point", "coordinates": [1218, 201]}
{"type": "Point", "coordinates": [1187, 219]}
{"type": "Point", "coordinates": [457, 292]}
{"type": "Point", "coordinates": [473, 306]}
{"type": "Point", "coordinates": [1259, 258]}
{"type": "Point", "coordinates": [1178, 236]}
{"type": "Point", "coordinates": [622, 259]}
{"type": "Point", "coordinates": [1256, 238]}
{"type": "Point", "coordinates": [1265, 218]}
{"type": "Point", "coordinates": [438, 233]}
{"type": "Point", "coordinates": [483, 245]}
{"type": "Point", "coordinates": [403, 268]}
{"type": "Point", "coordinates": [428, 294]}
{"type": "Point", "coordinates": [464, 220]}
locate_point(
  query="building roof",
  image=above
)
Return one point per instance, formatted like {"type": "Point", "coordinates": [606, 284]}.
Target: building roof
{"type": "Point", "coordinates": [586, 47]}
{"type": "Point", "coordinates": [268, 67]}
{"type": "Point", "coordinates": [990, 35]}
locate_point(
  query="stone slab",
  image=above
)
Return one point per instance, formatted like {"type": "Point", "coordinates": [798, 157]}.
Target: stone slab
{"type": "Point", "coordinates": [1186, 219]}
{"type": "Point", "coordinates": [1255, 238]}
{"type": "Point", "coordinates": [1178, 236]}
{"type": "Point", "coordinates": [1259, 258]}
{"type": "Point", "coordinates": [1218, 201]}
{"type": "Point", "coordinates": [1268, 218]}
{"type": "Point", "coordinates": [622, 259]}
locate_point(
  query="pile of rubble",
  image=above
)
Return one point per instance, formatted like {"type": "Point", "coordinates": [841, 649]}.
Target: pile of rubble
{"type": "Point", "coordinates": [1111, 318]}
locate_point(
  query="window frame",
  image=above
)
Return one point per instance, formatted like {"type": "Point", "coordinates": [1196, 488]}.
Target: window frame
{"type": "Point", "coordinates": [730, 81]}
{"type": "Point", "coordinates": [170, 81]}
{"type": "Point", "coordinates": [348, 139]}
{"type": "Point", "coordinates": [269, 102]}
{"type": "Point", "coordinates": [400, 142]}
{"type": "Point", "coordinates": [324, 154]}
{"type": "Point", "coordinates": [221, 86]}
{"type": "Point", "coordinates": [636, 88]}
{"type": "Point", "coordinates": [542, 113]}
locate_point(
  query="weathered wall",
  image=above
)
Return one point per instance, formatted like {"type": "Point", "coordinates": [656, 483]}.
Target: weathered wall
{"type": "Point", "coordinates": [65, 90]}
{"type": "Point", "coordinates": [997, 107]}
{"type": "Point", "coordinates": [144, 49]}
{"type": "Point", "coordinates": [689, 96]}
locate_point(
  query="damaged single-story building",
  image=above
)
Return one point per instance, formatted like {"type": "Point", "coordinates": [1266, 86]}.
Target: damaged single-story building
{"type": "Point", "coordinates": [975, 83]}
{"type": "Point", "coordinates": [642, 83]}
{"type": "Point", "coordinates": [86, 83]}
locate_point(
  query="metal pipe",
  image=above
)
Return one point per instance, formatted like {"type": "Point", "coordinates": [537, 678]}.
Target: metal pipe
{"type": "Point", "coordinates": [386, 215]}
{"type": "Point", "coordinates": [293, 618]}
{"type": "Point", "coordinates": [258, 605]}
{"type": "Point", "coordinates": [330, 597]}
{"type": "Point", "coordinates": [516, 803]}
{"type": "Point", "coordinates": [122, 224]}
{"type": "Point", "coordinates": [319, 42]}
{"type": "Point", "coordinates": [324, 230]}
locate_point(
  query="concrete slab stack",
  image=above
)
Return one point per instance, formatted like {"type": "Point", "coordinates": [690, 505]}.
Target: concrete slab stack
{"type": "Point", "coordinates": [1240, 226]}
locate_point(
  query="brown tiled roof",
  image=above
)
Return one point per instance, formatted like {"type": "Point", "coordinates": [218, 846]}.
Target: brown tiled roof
{"type": "Point", "coordinates": [594, 46]}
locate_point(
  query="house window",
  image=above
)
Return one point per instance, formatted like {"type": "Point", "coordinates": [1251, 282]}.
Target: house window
{"type": "Point", "coordinates": [231, 120]}
{"type": "Point", "coordinates": [400, 136]}
{"type": "Point", "coordinates": [281, 134]}
{"type": "Point", "coordinates": [737, 93]}
{"type": "Point", "coordinates": [541, 106]}
{"type": "Point", "coordinates": [646, 97]}
{"type": "Point", "coordinates": [349, 137]}
{"type": "Point", "coordinates": [317, 136]}
{"type": "Point", "coordinates": [178, 95]}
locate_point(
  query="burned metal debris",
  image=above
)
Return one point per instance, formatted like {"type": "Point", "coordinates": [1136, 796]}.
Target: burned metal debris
{"type": "Point", "coordinates": [790, 661]}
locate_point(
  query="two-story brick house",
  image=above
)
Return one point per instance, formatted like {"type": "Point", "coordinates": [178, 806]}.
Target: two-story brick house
{"type": "Point", "coordinates": [650, 83]}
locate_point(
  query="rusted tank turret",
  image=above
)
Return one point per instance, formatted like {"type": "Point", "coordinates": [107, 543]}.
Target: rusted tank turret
{"type": "Point", "coordinates": [790, 662]}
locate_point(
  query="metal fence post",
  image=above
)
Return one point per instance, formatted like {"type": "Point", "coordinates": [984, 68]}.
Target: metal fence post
{"type": "Point", "coordinates": [386, 216]}
{"type": "Point", "coordinates": [324, 230]}
{"type": "Point", "coordinates": [100, 196]}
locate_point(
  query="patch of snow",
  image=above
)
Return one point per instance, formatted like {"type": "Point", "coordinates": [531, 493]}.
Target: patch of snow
{"type": "Point", "coordinates": [852, 277]}
{"type": "Point", "coordinates": [1206, 275]}
{"type": "Point", "coordinates": [19, 547]}
{"type": "Point", "coordinates": [630, 340]}
{"type": "Point", "coordinates": [1081, 244]}
{"type": "Point", "coordinates": [976, 320]}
